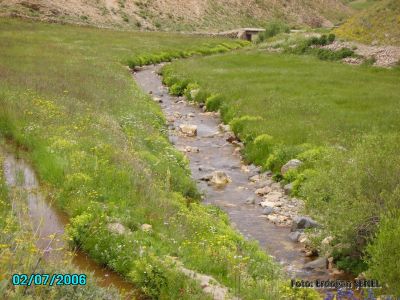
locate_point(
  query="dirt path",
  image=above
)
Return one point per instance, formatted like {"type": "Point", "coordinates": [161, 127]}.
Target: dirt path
{"type": "Point", "coordinates": [209, 151]}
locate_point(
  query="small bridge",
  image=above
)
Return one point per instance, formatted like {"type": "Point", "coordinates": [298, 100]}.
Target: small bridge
{"type": "Point", "coordinates": [249, 34]}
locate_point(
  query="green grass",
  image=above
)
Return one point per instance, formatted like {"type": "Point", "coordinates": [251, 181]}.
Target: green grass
{"type": "Point", "coordinates": [299, 99]}
{"type": "Point", "coordinates": [100, 148]}
{"type": "Point", "coordinates": [361, 4]}
{"type": "Point", "coordinates": [340, 120]}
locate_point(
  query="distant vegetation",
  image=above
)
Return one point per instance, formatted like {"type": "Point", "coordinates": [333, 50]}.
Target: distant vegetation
{"type": "Point", "coordinates": [378, 23]}
{"type": "Point", "coordinates": [273, 28]}
{"type": "Point", "coordinates": [340, 120]}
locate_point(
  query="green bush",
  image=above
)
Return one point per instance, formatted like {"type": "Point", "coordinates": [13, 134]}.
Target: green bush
{"type": "Point", "coordinates": [189, 91]}
{"type": "Point", "coordinates": [383, 252]}
{"type": "Point", "coordinates": [178, 88]}
{"type": "Point", "coordinates": [257, 150]}
{"type": "Point", "coordinates": [351, 189]}
{"type": "Point", "coordinates": [213, 102]}
{"type": "Point", "coordinates": [201, 96]}
{"type": "Point", "coordinates": [238, 126]}
{"type": "Point", "coordinates": [326, 54]}
{"type": "Point", "coordinates": [273, 28]}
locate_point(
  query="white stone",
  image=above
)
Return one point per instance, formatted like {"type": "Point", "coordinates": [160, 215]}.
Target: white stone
{"type": "Point", "coordinates": [116, 228]}
{"type": "Point", "coordinates": [187, 129]}
{"type": "Point", "coordinates": [146, 227]}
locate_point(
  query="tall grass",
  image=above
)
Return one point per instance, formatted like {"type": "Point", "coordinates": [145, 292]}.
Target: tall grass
{"type": "Point", "coordinates": [340, 120]}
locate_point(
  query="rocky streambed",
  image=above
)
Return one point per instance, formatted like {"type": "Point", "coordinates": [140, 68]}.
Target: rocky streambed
{"type": "Point", "coordinates": [258, 207]}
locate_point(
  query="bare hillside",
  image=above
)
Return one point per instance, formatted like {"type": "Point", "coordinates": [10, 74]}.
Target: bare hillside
{"type": "Point", "coordinates": [178, 15]}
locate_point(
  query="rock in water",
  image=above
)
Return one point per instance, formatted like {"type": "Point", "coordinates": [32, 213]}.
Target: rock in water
{"type": "Point", "coordinates": [290, 165]}
{"type": "Point", "coordinates": [263, 191]}
{"type": "Point", "coordinates": [224, 128]}
{"type": "Point", "coordinates": [268, 210]}
{"type": "Point", "coordinates": [303, 223]}
{"type": "Point", "coordinates": [219, 178]}
{"type": "Point", "coordinates": [187, 129]}
{"type": "Point", "coordinates": [320, 263]}
{"type": "Point", "coordinates": [294, 236]}
{"type": "Point", "coordinates": [250, 200]}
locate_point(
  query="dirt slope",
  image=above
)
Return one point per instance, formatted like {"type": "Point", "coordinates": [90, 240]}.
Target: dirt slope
{"type": "Point", "coordinates": [378, 24]}
{"type": "Point", "coordinates": [180, 15]}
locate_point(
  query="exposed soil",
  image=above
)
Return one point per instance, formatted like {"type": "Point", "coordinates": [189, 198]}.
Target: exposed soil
{"type": "Point", "coordinates": [173, 15]}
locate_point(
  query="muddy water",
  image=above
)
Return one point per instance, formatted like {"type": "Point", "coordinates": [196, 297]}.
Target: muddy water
{"type": "Point", "coordinates": [217, 154]}
{"type": "Point", "coordinates": [48, 224]}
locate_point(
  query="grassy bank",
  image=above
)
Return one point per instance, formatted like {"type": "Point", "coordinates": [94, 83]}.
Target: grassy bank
{"type": "Point", "coordinates": [340, 120]}
{"type": "Point", "coordinates": [100, 146]}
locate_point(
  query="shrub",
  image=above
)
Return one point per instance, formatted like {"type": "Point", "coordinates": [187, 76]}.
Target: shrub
{"type": "Point", "coordinates": [213, 102]}
{"type": "Point", "coordinates": [189, 91]}
{"type": "Point", "coordinates": [238, 126]}
{"type": "Point", "coordinates": [351, 189]}
{"type": "Point", "coordinates": [178, 88]}
{"type": "Point", "coordinates": [291, 175]}
{"type": "Point", "coordinates": [259, 149]}
{"type": "Point", "coordinates": [384, 254]}
{"type": "Point", "coordinates": [201, 96]}
{"type": "Point", "coordinates": [311, 156]}
{"type": "Point", "coordinates": [326, 54]}
{"type": "Point", "coordinates": [273, 28]}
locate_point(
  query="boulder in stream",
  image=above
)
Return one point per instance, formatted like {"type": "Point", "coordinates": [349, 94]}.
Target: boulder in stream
{"type": "Point", "coordinates": [294, 236]}
{"type": "Point", "coordinates": [250, 200]}
{"type": "Point", "coordinates": [219, 178]}
{"type": "Point", "coordinates": [320, 263]}
{"type": "Point", "coordinates": [224, 128]}
{"type": "Point", "coordinates": [288, 188]}
{"type": "Point", "coordinates": [188, 130]}
{"type": "Point", "coordinates": [263, 191]}
{"type": "Point", "coordinates": [303, 223]}
{"type": "Point", "coordinates": [268, 210]}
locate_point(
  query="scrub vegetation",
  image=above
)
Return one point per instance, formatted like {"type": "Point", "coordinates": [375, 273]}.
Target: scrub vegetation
{"type": "Point", "coordinates": [340, 120]}
{"type": "Point", "coordinates": [100, 149]}
{"type": "Point", "coordinates": [377, 22]}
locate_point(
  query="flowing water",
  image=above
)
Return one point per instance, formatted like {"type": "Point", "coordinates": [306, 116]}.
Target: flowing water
{"type": "Point", "coordinates": [215, 153]}
{"type": "Point", "coordinates": [48, 223]}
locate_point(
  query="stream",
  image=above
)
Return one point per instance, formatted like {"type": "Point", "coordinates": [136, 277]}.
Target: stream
{"type": "Point", "coordinates": [48, 223]}
{"type": "Point", "coordinates": [213, 152]}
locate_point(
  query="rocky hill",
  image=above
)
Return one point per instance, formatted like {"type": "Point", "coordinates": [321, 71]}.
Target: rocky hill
{"type": "Point", "coordinates": [377, 24]}
{"type": "Point", "coordinates": [178, 15]}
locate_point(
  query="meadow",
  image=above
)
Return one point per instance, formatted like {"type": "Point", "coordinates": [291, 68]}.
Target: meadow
{"type": "Point", "coordinates": [342, 121]}
{"type": "Point", "coordinates": [69, 106]}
